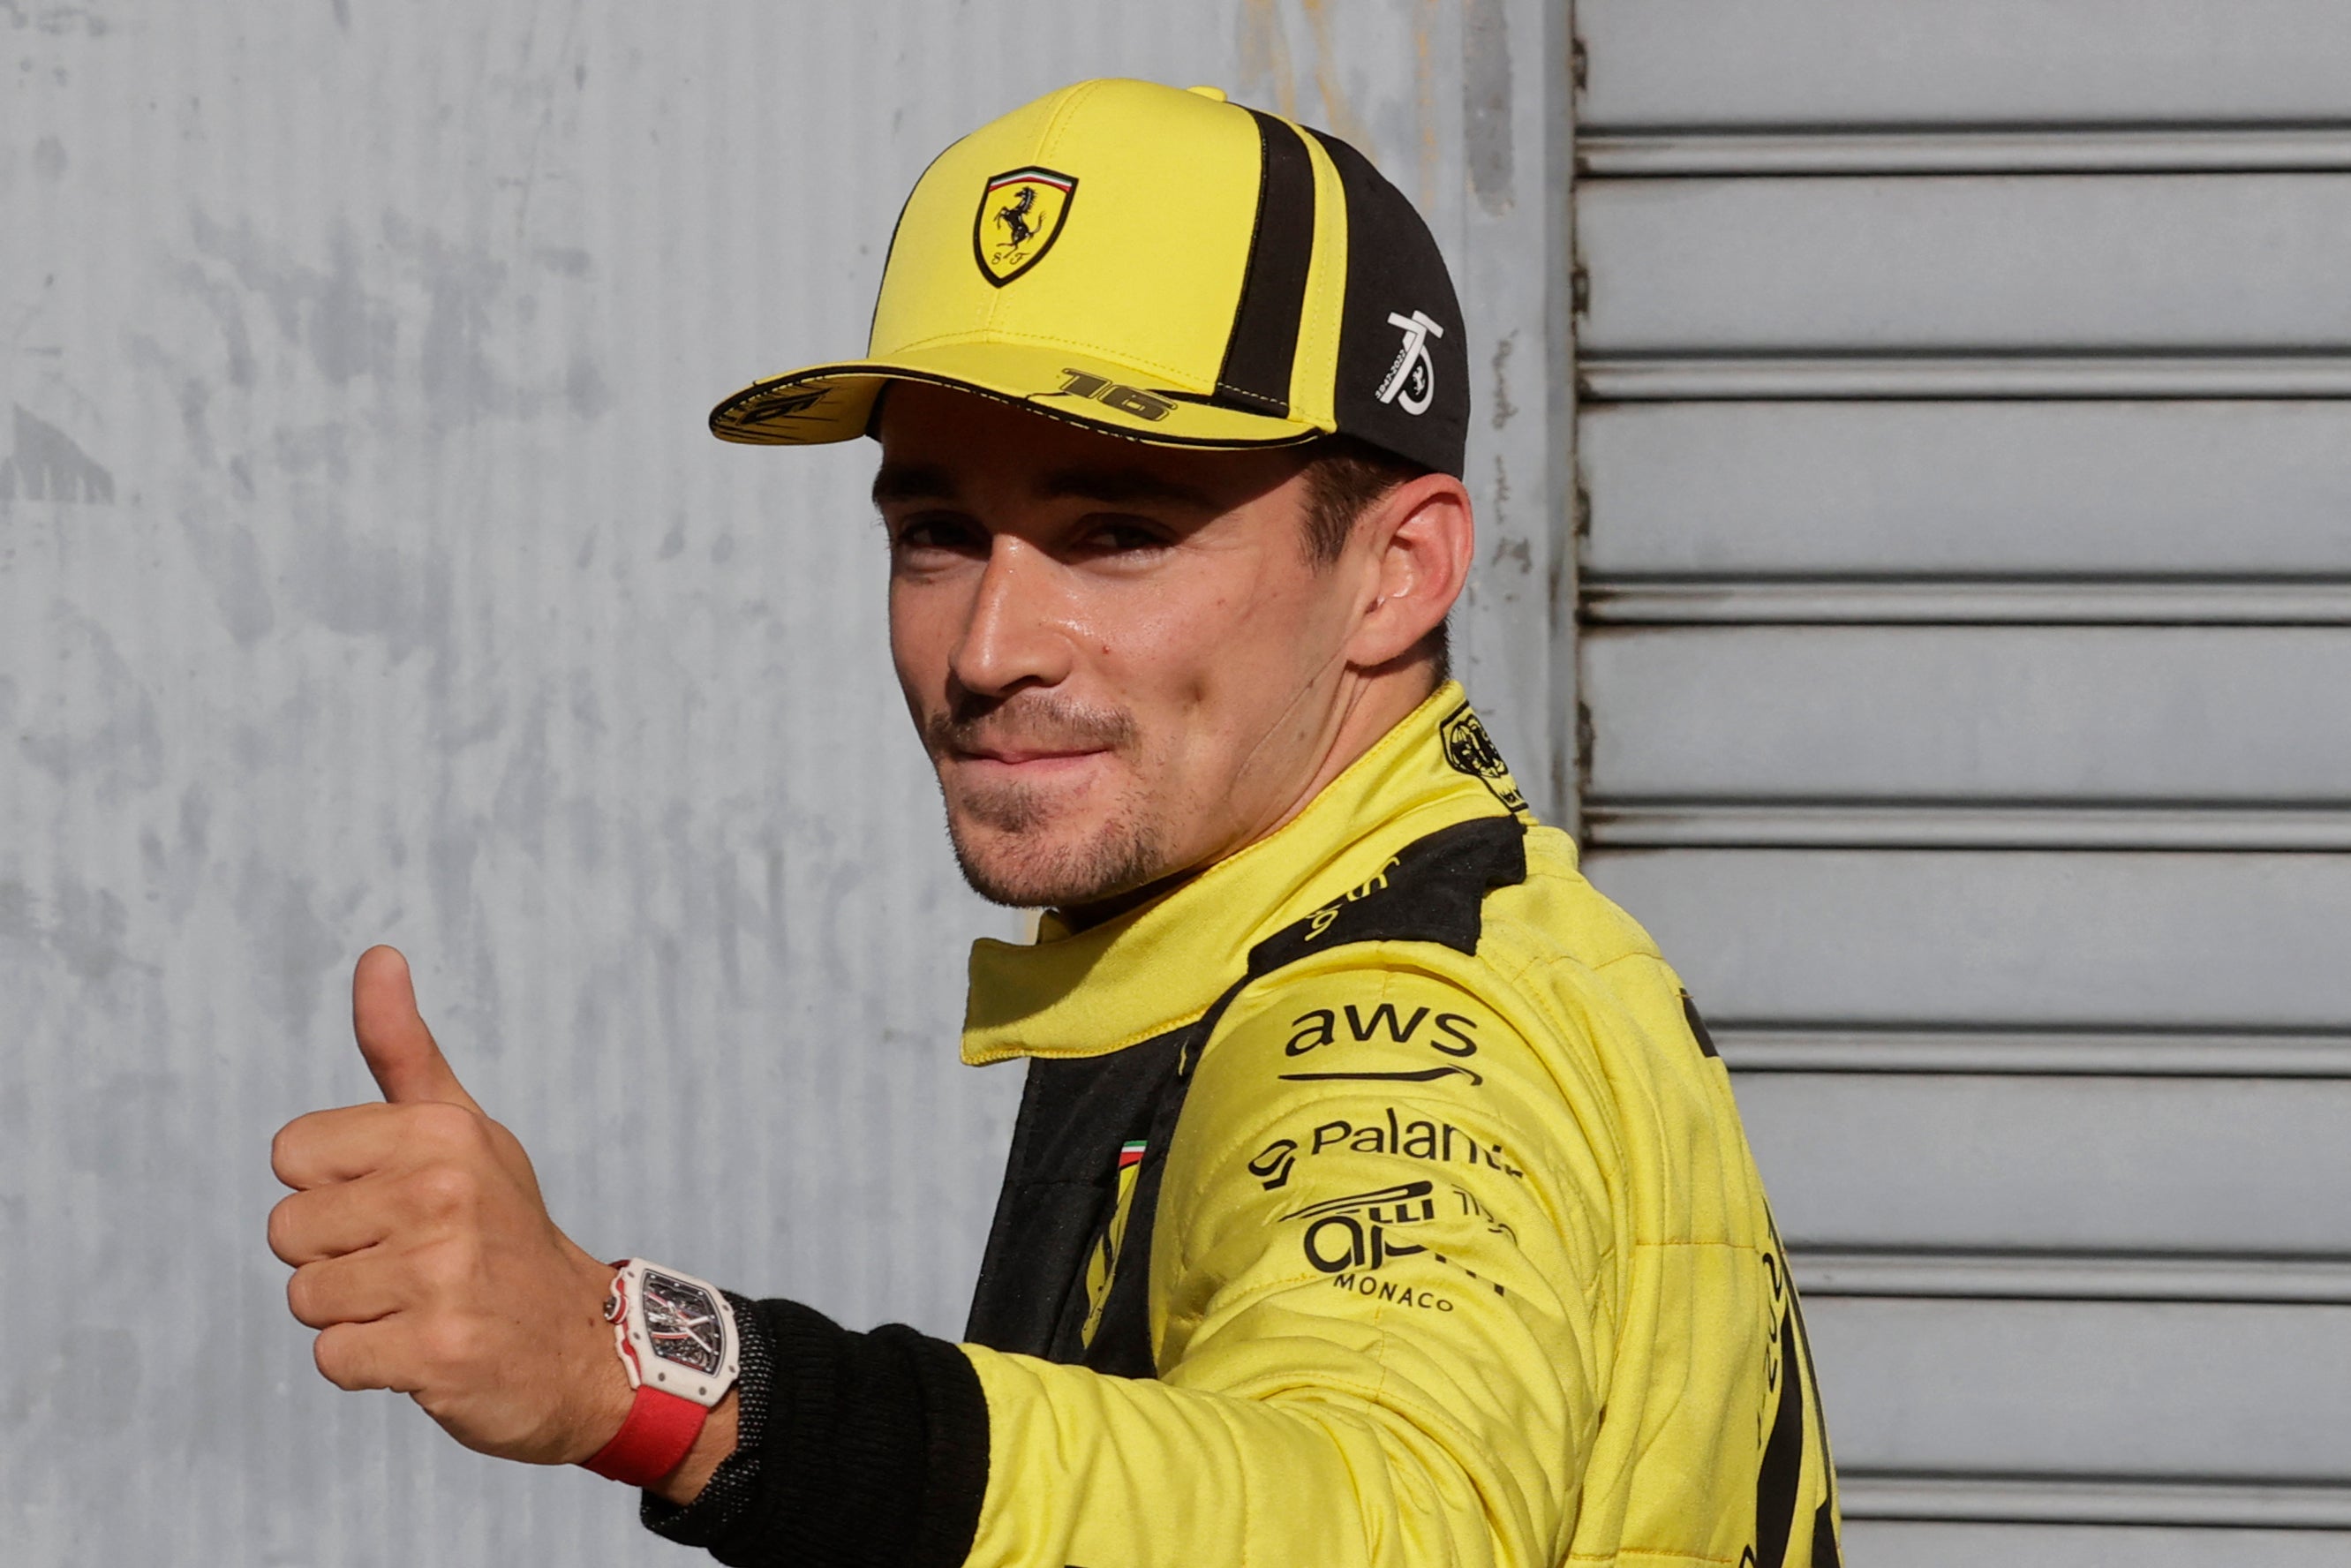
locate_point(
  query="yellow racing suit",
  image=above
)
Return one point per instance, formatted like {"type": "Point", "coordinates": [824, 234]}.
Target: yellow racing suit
{"type": "Point", "coordinates": [1377, 1198]}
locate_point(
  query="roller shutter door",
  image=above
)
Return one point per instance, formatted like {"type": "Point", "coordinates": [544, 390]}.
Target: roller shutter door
{"type": "Point", "coordinates": [1965, 583]}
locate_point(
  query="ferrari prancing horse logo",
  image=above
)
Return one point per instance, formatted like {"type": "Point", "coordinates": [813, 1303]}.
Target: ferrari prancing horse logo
{"type": "Point", "coordinates": [1021, 216]}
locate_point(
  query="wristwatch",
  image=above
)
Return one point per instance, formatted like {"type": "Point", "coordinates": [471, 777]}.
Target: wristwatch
{"type": "Point", "coordinates": [676, 1339]}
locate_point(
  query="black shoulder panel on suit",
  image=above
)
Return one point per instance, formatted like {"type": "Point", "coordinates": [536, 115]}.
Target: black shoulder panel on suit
{"type": "Point", "coordinates": [1434, 890]}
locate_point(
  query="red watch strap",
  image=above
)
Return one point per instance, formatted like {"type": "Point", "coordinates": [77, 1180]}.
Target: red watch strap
{"type": "Point", "coordinates": [653, 1441]}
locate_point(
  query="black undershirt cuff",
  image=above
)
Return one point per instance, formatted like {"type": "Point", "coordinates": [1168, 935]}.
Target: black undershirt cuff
{"type": "Point", "coordinates": [852, 1450]}
{"type": "Point", "coordinates": [732, 1485]}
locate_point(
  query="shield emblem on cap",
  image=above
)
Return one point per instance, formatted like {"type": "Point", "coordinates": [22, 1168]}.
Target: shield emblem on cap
{"type": "Point", "coordinates": [1020, 215]}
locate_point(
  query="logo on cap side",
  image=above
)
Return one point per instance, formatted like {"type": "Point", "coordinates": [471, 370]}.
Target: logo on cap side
{"type": "Point", "coordinates": [1411, 382]}
{"type": "Point", "coordinates": [1020, 215]}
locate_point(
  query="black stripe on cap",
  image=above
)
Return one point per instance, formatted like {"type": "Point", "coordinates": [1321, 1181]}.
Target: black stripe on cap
{"type": "Point", "coordinates": [1256, 372]}
{"type": "Point", "coordinates": [1395, 271]}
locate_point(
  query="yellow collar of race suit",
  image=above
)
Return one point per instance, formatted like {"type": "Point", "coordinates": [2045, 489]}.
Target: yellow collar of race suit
{"type": "Point", "coordinates": [1159, 966]}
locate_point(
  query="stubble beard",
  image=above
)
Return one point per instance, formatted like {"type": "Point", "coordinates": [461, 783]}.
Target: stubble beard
{"type": "Point", "coordinates": [1004, 836]}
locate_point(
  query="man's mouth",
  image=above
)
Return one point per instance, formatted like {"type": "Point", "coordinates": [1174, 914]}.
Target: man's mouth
{"type": "Point", "coordinates": [1037, 737]}
{"type": "Point", "coordinates": [1027, 756]}
{"type": "Point", "coordinates": [1055, 768]}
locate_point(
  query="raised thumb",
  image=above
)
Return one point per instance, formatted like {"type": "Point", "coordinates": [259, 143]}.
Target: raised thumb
{"type": "Point", "coordinates": [400, 1050]}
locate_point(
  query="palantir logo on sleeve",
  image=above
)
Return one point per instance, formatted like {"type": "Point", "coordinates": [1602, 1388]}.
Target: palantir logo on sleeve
{"type": "Point", "coordinates": [1402, 1134]}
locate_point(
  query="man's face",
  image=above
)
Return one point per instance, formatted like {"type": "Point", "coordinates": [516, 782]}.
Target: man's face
{"type": "Point", "coordinates": [1120, 657]}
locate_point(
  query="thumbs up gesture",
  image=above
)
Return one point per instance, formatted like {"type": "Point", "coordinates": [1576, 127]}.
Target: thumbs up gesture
{"type": "Point", "coordinates": [425, 1257]}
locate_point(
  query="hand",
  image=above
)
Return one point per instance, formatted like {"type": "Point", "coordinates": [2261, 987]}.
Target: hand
{"type": "Point", "coordinates": [424, 1254]}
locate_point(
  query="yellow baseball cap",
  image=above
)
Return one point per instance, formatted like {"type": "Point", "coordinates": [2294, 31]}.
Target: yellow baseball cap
{"type": "Point", "coordinates": [1158, 264]}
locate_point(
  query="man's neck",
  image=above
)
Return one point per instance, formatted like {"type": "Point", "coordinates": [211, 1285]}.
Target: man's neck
{"type": "Point", "coordinates": [1370, 703]}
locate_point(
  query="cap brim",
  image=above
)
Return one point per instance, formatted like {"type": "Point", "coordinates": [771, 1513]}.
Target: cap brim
{"type": "Point", "coordinates": [835, 403]}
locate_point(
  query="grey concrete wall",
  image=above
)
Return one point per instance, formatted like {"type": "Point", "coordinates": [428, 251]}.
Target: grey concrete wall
{"type": "Point", "coordinates": [366, 574]}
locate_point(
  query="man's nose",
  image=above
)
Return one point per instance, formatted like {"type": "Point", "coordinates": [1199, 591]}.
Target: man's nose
{"type": "Point", "coordinates": [1017, 632]}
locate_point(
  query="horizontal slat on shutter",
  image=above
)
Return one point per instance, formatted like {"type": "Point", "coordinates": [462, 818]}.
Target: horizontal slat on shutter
{"type": "Point", "coordinates": [1804, 63]}
{"type": "Point", "coordinates": [1892, 1543]}
{"type": "Point", "coordinates": [2134, 489]}
{"type": "Point", "coordinates": [2117, 1389]}
{"type": "Point", "coordinates": [2075, 1276]}
{"type": "Point", "coordinates": [2045, 602]}
{"type": "Point", "coordinates": [2133, 151]}
{"type": "Point", "coordinates": [2086, 938]}
{"type": "Point", "coordinates": [1966, 264]}
{"type": "Point", "coordinates": [2108, 1164]}
{"type": "Point", "coordinates": [2065, 1500]}
{"type": "Point", "coordinates": [1922, 373]}
{"type": "Point", "coordinates": [2068, 1053]}
{"type": "Point", "coordinates": [2046, 714]}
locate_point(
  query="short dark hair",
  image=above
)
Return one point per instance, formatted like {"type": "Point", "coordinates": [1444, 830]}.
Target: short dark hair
{"type": "Point", "coordinates": [1345, 477]}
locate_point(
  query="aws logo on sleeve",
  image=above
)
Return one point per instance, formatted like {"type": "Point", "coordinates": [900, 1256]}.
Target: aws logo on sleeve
{"type": "Point", "coordinates": [1449, 1034]}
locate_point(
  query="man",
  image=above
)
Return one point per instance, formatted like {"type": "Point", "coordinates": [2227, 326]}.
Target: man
{"type": "Point", "coordinates": [1376, 1196]}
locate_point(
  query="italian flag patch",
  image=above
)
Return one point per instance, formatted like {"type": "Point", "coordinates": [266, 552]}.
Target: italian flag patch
{"type": "Point", "coordinates": [1130, 1154]}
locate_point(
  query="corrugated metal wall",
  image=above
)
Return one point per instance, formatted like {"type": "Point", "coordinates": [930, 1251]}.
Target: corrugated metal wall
{"type": "Point", "coordinates": [366, 574]}
{"type": "Point", "coordinates": [1967, 588]}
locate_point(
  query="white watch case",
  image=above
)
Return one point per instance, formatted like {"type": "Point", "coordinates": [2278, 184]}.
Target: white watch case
{"type": "Point", "coordinates": [675, 1334]}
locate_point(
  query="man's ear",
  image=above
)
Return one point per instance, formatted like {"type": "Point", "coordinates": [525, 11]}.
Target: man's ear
{"type": "Point", "coordinates": [1418, 541]}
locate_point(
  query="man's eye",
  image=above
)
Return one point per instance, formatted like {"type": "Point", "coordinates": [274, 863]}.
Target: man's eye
{"type": "Point", "coordinates": [1124, 535]}
{"type": "Point", "coordinates": [953, 535]}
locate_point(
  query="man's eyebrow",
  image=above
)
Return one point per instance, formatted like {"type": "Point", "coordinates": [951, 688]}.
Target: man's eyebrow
{"type": "Point", "coordinates": [912, 482]}
{"type": "Point", "coordinates": [1115, 487]}
{"type": "Point", "coordinates": [1122, 487]}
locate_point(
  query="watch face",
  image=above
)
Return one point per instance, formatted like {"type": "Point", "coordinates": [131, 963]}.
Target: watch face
{"type": "Point", "coordinates": [682, 1323]}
